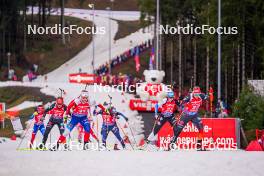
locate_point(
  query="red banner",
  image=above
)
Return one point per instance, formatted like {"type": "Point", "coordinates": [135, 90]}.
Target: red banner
{"type": "Point", "coordinates": [219, 133]}
{"type": "Point", "coordinates": [82, 78]}
{"type": "Point", "coordinates": [2, 109]}
{"type": "Point", "coordinates": [139, 105]}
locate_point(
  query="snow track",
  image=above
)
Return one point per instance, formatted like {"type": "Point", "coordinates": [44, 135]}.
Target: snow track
{"type": "Point", "coordinates": [137, 163]}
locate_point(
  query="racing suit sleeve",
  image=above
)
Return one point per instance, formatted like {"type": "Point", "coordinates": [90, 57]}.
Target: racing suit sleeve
{"type": "Point", "coordinates": [204, 96]}
{"type": "Point", "coordinates": [97, 113]}
{"type": "Point", "coordinates": [101, 107]}
{"type": "Point", "coordinates": [122, 115]}
{"type": "Point", "coordinates": [65, 107]}
{"type": "Point", "coordinates": [159, 105]}
{"type": "Point", "coordinates": [156, 109]}
{"type": "Point", "coordinates": [32, 116]}
{"type": "Point", "coordinates": [70, 106]}
{"type": "Point", "coordinates": [186, 99]}
{"type": "Point", "coordinates": [48, 109]}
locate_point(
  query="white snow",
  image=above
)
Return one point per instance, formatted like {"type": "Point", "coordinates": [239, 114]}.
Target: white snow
{"type": "Point", "coordinates": [25, 105]}
{"type": "Point", "coordinates": [129, 163]}
{"type": "Point", "coordinates": [73, 90]}
{"type": "Point", "coordinates": [258, 86]}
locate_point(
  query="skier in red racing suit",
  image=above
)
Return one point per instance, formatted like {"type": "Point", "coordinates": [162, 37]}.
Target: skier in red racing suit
{"type": "Point", "coordinates": [80, 111]}
{"type": "Point", "coordinates": [191, 105]}
{"type": "Point", "coordinates": [167, 114]}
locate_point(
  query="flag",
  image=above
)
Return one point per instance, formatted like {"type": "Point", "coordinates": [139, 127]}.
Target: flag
{"type": "Point", "coordinates": [137, 59]}
{"type": "Point", "coordinates": [152, 59]}
{"type": "Point", "coordinates": [211, 94]}
{"type": "Point", "coordinates": [211, 98]}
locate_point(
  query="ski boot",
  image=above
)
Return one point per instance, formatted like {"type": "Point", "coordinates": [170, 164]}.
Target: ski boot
{"type": "Point", "coordinates": [199, 146]}
{"type": "Point", "coordinates": [41, 147]}
{"type": "Point", "coordinates": [116, 147]}
{"type": "Point", "coordinates": [86, 146]}
{"type": "Point", "coordinates": [103, 147]}
{"type": "Point", "coordinates": [55, 147]}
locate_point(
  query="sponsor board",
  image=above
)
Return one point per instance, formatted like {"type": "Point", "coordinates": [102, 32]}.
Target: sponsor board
{"type": "Point", "coordinates": [82, 78]}
{"type": "Point", "coordinates": [140, 105]}
{"type": "Point", "coordinates": [17, 126]}
{"type": "Point", "coordinates": [219, 134]}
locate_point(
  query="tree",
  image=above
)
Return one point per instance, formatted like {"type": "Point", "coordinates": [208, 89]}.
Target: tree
{"type": "Point", "coordinates": [62, 21]}
{"type": "Point", "coordinates": [249, 107]}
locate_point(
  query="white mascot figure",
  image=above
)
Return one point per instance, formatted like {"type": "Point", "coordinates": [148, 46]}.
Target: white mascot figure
{"type": "Point", "coordinates": [152, 89]}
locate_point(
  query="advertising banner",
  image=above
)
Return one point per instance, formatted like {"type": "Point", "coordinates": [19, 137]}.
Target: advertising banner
{"type": "Point", "coordinates": [2, 111]}
{"type": "Point", "coordinates": [82, 78]}
{"type": "Point", "coordinates": [17, 126]}
{"type": "Point", "coordinates": [139, 105]}
{"type": "Point", "coordinates": [219, 133]}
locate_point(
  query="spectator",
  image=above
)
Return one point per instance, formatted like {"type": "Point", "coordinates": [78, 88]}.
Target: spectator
{"type": "Point", "coordinates": [11, 74]}
{"type": "Point", "coordinates": [221, 109]}
{"type": "Point", "coordinates": [103, 69]}
{"type": "Point", "coordinates": [14, 77]}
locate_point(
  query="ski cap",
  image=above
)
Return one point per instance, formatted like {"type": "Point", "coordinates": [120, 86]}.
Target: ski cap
{"type": "Point", "coordinates": [170, 94]}
{"type": "Point", "coordinates": [40, 109]}
{"type": "Point", "coordinates": [113, 110]}
{"type": "Point", "coordinates": [196, 90]}
{"type": "Point", "coordinates": [59, 101]}
{"type": "Point", "coordinates": [84, 95]}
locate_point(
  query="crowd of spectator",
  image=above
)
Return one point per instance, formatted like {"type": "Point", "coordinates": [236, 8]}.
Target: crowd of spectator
{"type": "Point", "coordinates": [125, 80]}
{"type": "Point", "coordinates": [104, 69]}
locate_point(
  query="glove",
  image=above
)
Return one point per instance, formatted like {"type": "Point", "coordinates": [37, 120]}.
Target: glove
{"type": "Point", "coordinates": [35, 113]}
{"type": "Point", "coordinates": [42, 118]}
{"type": "Point", "coordinates": [94, 112]}
{"type": "Point", "coordinates": [65, 118]}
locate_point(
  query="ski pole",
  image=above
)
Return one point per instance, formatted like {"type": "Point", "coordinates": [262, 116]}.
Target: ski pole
{"type": "Point", "coordinates": [110, 100]}
{"type": "Point", "coordinates": [177, 120]}
{"type": "Point", "coordinates": [92, 117]}
{"type": "Point", "coordinates": [132, 133]}
{"type": "Point", "coordinates": [124, 134]}
{"type": "Point", "coordinates": [155, 123]}
{"type": "Point", "coordinates": [50, 137]}
{"type": "Point", "coordinates": [97, 128]}
{"type": "Point", "coordinates": [25, 135]}
{"type": "Point", "coordinates": [85, 86]}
